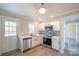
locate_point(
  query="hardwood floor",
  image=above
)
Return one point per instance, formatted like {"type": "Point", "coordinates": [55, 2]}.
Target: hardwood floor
{"type": "Point", "coordinates": [37, 51]}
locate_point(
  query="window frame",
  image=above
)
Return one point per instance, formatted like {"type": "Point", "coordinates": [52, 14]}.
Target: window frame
{"type": "Point", "coordinates": [31, 28]}
{"type": "Point", "coordinates": [10, 28]}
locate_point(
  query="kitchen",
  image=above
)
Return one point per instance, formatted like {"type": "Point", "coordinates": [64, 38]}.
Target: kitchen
{"type": "Point", "coordinates": [39, 37]}
{"type": "Point", "coordinates": [37, 29]}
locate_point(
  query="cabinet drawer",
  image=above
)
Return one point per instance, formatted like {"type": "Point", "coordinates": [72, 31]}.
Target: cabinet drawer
{"type": "Point", "coordinates": [35, 42]}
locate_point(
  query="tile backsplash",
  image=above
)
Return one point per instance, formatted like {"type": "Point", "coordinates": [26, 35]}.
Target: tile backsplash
{"type": "Point", "coordinates": [56, 33]}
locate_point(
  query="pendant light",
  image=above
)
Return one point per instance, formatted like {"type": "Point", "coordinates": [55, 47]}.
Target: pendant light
{"type": "Point", "coordinates": [42, 9]}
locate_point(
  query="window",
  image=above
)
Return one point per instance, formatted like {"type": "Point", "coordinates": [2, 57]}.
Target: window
{"type": "Point", "coordinates": [10, 28]}
{"type": "Point", "coordinates": [31, 28]}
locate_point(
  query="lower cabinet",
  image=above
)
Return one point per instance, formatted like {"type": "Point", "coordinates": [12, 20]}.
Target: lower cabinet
{"type": "Point", "coordinates": [36, 40]}
{"type": "Point", "coordinates": [55, 43]}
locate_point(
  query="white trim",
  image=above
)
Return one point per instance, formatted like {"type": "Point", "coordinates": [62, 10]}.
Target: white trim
{"type": "Point", "coordinates": [68, 12]}
{"type": "Point", "coordinates": [12, 19]}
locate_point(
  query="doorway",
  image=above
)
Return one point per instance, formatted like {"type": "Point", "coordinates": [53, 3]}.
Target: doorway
{"type": "Point", "coordinates": [9, 34]}
{"type": "Point", "coordinates": [71, 35]}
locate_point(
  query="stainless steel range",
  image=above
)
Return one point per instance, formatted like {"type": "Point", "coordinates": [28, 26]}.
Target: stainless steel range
{"type": "Point", "coordinates": [48, 35]}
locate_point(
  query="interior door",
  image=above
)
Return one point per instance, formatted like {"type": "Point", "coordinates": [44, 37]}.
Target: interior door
{"type": "Point", "coordinates": [9, 34]}
{"type": "Point", "coordinates": [70, 39]}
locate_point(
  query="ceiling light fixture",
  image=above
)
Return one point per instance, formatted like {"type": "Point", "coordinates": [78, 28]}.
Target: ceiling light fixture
{"type": "Point", "coordinates": [42, 9]}
{"type": "Point", "coordinates": [51, 16]}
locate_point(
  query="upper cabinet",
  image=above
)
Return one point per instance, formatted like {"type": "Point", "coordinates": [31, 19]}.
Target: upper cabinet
{"type": "Point", "coordinates": [56, 25]}
{"type": "Point", "coordinates": [42, 26]}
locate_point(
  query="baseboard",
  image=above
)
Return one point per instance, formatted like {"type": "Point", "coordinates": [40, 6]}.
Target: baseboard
{"type": "Point", "coordinates": [0, 54]}
{"type": "Point", "coordinates": [47, 46]}
{"type": "Point", "coordinates": [36, 46]}
{"type": "Point", "coordinates": [6, 53]}
{"type": "Point", "coordinates": [0, 51]}
{"type": "Point", "coordinates": [61, 51]}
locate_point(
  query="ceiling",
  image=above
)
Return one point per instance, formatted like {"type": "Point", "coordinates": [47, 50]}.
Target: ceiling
{"type": "Point", "coordinates": [31, 9]}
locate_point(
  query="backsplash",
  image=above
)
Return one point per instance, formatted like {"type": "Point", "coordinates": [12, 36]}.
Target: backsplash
{"type": "Point", "coordinates": [56, 33]}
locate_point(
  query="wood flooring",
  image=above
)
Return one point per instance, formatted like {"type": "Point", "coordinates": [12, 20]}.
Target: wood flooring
{"type": "Point", "coordinates": [37, 51]}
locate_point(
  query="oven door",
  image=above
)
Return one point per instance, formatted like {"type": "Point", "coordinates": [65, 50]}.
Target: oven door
{"type": "Point", "coordinates": [47, 41]}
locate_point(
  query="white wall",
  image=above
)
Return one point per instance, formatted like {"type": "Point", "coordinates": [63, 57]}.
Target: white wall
{"type": "Point", "coordinates": [36, 27]}
{"type": "Point", "coordinates": [23, 27]}
{"type": "Point", "coordinates": [0, 36]}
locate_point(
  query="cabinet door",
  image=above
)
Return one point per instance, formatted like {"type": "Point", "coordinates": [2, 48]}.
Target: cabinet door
{"type": "Point", "coordinates": [40, 39]}
{"type": "Point", "coordinates": [33, 42]}
{"type": "Point", "coordinates": [37, 40]}
{"type": "Point", "coordinates": [55, 43]}
{"type": "Point", "coordinates": [56, 25]}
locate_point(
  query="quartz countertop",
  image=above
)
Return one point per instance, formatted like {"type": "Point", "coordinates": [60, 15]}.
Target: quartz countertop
{"type": "Point", "coordinates": [27, 36]}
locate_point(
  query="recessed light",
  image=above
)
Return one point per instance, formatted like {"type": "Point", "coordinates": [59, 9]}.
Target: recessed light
{"type": "Point", "coordinates": [51, 16]}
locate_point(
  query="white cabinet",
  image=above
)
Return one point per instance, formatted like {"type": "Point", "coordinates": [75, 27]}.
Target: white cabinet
{"type": "Point", "coordinates": [40, 39]}
{"type": "Point", "coordinates": [56, 25]}
{"type": "Point", "coordinates": [42, 26]}
{"type": "Point", "coordinates": [55, 43]}
{"type": "Point", "coordinates": [36, 40]}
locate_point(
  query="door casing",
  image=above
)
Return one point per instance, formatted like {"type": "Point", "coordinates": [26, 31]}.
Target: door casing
{"type": "Point", "coordinates": [12, 41]}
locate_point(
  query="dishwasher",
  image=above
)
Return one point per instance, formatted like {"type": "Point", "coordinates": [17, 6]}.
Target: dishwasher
{"type": "Point", "coordinates": [26, 43]}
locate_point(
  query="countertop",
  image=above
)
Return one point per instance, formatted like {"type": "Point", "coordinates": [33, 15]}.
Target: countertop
{"type": "Point", "coordinates": [55, 36]}
{"type": "Point", "coordinates": [25, 36]}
